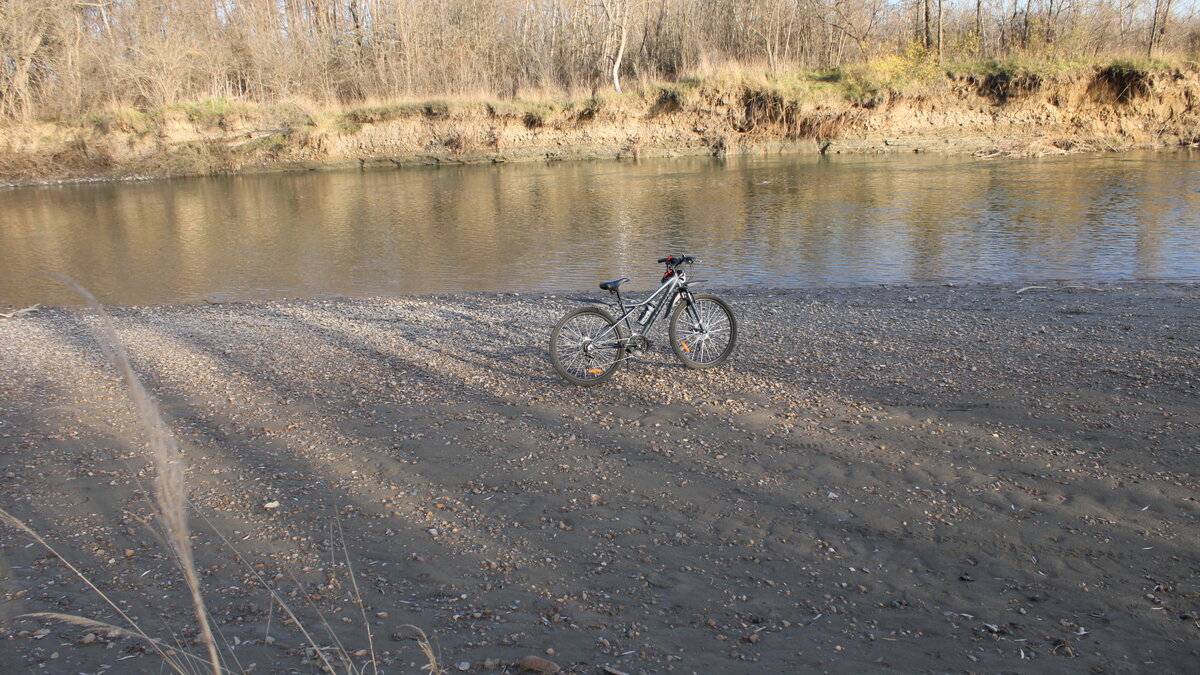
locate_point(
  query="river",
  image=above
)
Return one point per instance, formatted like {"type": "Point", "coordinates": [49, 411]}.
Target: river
{"type": "Point", "coordinates": [782, 221]}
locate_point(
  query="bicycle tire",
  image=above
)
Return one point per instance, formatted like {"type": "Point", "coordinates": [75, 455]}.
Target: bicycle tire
{"type": "Point", "coordinates": [709, 342]}
{"type": "Point", "coordinates": [573, 350]}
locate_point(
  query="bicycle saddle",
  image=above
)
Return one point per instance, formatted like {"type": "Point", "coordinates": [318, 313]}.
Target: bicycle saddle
{"type": "Point", "coordinates": [612, 286]}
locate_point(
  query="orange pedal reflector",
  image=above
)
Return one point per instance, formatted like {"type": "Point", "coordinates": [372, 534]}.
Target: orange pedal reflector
{"type": "Point", "coordinates": [593, 371]}
{"type": "Point", "coordinates": [685, 347]}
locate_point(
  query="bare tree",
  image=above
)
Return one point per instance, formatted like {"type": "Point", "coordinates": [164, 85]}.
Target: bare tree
{"type": "Point", "coordinates": [939, 31]}
{"type": "Point", "coordinates": [1158, 25]}
{"type": "Point", "coordinates": [617, 13]}
{"type": "Point", "coordinates": [928, 42]}
{"type": "Point", "coordinates": [28, 28]}
{"type": "Point", "coordinates": [72, 57]}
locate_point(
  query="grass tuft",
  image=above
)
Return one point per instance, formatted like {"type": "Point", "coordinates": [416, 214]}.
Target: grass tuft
{"type": "Point", "coordinates": [211, 111]}
{"type": "Point", "coordinates": [433, 664]}
{"type": "Point", "coordinates": [125, 120]}
{"type": "Point", "coordinates": [382, 113]}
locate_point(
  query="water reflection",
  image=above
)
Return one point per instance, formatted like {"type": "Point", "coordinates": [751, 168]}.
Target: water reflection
{"type": "Point", "coordinates": [790, 221]}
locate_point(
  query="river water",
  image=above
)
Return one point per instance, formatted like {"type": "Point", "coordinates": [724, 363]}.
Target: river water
{"type": "Point", "coordinates": [785, 221]}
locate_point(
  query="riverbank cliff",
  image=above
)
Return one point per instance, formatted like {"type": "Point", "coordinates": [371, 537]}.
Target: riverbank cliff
{"type": "Point", "coordinates": [1000, 113]}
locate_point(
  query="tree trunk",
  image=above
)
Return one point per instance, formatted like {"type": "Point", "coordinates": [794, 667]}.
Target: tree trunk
{"type": "Point", "coordinates": [616, 69]}
{"type": "Point", "coordinates": [1158, 25]}
{"type": "Point", "coordinates": [939, 31]}
{"type": "Point", "coordinates": [18, 100]}
{"type": "Point", "coordinates": [620, 21]}
{"type": "Point", "coordinates": [980, 46]}
{"type": "Point", "coordinates": [1153, 32]}
{"type": "Point", "coordinates": [928, 27]}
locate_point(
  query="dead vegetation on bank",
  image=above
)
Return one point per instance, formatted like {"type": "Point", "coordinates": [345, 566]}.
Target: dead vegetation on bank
{"type": "Point", "coordinates": [905, 103]}
{"type": "Point", "coordinates": [115, 88]}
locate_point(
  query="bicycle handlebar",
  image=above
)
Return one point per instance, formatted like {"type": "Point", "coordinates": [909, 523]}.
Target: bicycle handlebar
{"type": "Point", "coordinates": [675, 260]}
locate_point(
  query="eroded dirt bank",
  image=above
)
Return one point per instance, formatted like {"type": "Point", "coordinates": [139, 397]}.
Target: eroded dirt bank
{"type": "Point", "coordinates": [988, 115]}
{"type": "Point", "coordinates": [919, 479]}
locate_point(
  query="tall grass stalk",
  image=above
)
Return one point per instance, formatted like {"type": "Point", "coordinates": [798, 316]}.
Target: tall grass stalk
{"type": "Point", "coordinates": [172, 507]}
{"type": "Point", "coordinates": [167, 652]}
{"type": "Point", "coordinates": [278, 599]}
{"type": "Point", "coordinates": [433, 666]}
{"type": "Point", "coordinates": [357, 594]}
{"type": "Point", "coordinates": [169, 493]}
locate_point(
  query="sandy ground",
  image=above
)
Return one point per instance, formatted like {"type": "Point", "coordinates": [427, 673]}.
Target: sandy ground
{"type": "Point", "coordinates": [925, 479]}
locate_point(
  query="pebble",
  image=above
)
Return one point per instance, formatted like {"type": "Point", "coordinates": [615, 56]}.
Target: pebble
{"type": "Point", "coordinates": [869, 437]}
{"type": "Point", "coordinates": [537, 664]}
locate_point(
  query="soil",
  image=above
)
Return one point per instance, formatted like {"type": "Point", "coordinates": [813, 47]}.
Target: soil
{"type": "Point", "coordinates": [924, 479]}
{"type": "Point", "coordinates": [1087, 111]}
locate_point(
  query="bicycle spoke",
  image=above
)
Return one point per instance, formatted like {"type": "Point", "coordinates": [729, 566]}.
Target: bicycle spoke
{"type": "Point", "coordinates": [588, 347]}
{"type": "Point", "coordinates": [705, 333]}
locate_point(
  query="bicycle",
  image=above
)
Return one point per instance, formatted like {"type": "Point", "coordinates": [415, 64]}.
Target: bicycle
{"type": "Point", "coordinates": [588, 346]}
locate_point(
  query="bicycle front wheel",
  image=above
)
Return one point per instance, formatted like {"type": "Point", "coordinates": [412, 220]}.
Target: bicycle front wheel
{"type": "Point", "coordinates": [587, 346]}
{"type": "Point", "coordinates": [703, 332]}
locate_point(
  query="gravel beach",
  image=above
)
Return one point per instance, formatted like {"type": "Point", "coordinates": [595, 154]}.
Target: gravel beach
{"type": "Point", "coordinates": [905, 479]}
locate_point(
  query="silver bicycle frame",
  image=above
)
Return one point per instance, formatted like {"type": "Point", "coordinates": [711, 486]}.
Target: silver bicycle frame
{"type": "Point", "coordinates": [666, 295]}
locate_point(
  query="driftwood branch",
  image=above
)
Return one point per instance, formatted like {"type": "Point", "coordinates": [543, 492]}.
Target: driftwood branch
{"type": "Point", "coordinates": [19, 312]}
{"type": "Point", "coordinates": [1059, 288]}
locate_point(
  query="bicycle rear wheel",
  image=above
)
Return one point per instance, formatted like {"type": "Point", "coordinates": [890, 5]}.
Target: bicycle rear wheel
{"type": "Point", "coordinates": [703, 332]}
{"type": "Point", "coordinates": [587, 346]}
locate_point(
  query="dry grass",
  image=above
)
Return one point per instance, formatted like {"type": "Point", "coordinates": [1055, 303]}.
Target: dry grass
{"type": "Point", "coordinates": [168, 492]}
{"type": "Point", "coordinates": [68, 59]}
{"type": "Point", "coordinates": [432, 663]}
{"type": "Point", "coordinates": [221, 135]}
{"type": "Point", "coordinates": [174, 658]}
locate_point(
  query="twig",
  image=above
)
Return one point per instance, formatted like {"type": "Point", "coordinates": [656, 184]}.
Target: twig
{"type": "Point", "coordinates": [1060, 288]}
{"type": "Point", "coordinates": [274, 594]}
{"type": "Point", "coordinates": [20, 312]}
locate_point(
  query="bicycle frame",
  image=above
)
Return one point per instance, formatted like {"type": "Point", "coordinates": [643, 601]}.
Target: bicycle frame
{"type": "Point", "coordinates": [664, 299]}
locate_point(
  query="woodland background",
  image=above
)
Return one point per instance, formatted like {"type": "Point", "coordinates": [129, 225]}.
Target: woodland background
{"type": "Point", "coordinates": [66, 59]}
